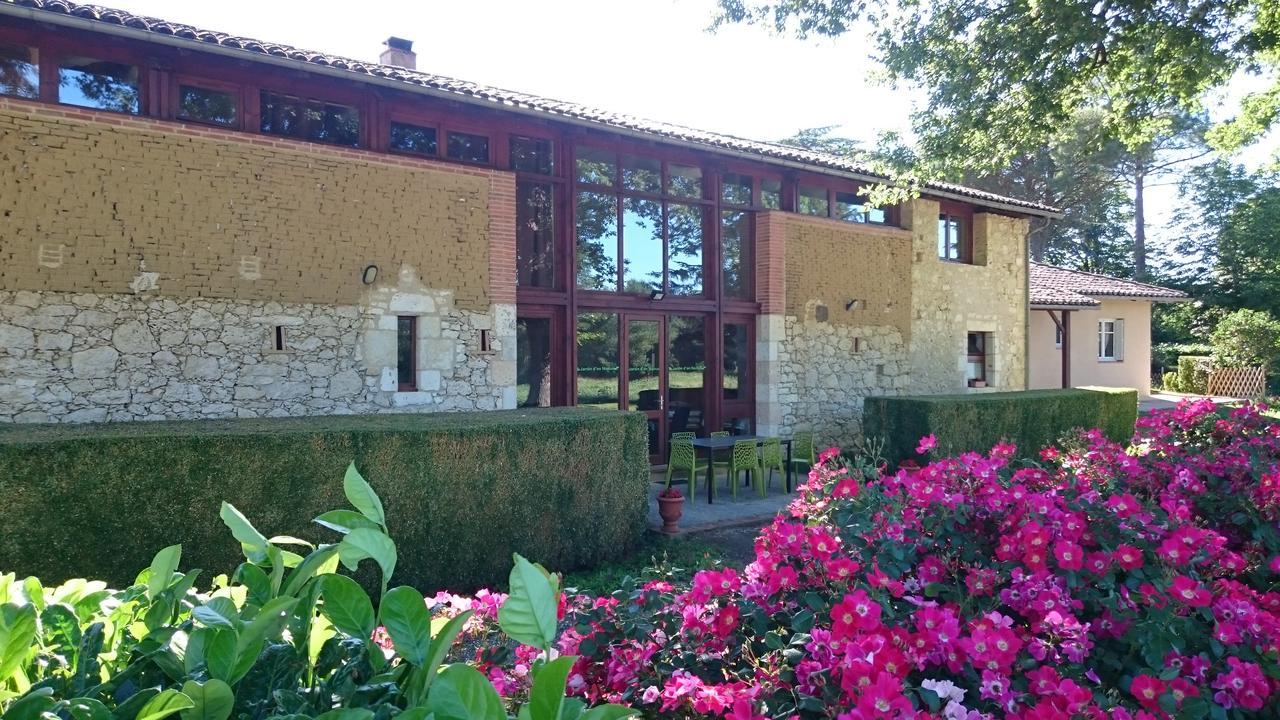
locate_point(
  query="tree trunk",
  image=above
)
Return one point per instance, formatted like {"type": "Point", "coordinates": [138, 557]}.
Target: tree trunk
{"type": "Point", "coordinates": [1139, 224]}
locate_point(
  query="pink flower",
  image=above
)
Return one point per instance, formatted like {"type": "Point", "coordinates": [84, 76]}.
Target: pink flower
{"type": "Point", "coordinates": [1070, 555]}
{"type": "Point", "coordinates": [1147, 690]}
{"type": "Point", "coordinates": [927, 443]}
{"type": "Point", "coordinates": [1189, 592]}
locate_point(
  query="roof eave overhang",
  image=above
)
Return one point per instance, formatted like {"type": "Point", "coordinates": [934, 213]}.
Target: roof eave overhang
{"type": "Point", "coordinates": [90, 25]}
{"type": "Point", "coordinates": [1145, 298]}
{"type": "Point", "coordinates": [1061, 306]}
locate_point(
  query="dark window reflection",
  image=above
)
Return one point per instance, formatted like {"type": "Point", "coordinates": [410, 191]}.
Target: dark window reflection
{"type": "Point", "coordinates": [468, 147]}
{"type": "Point", "coordinates": [414, 139]}
{"type": "Point", "coordinates": [597, 241]}
{"type": "Point", "coordinates": [735, 236]}
{"type": "Point", "coordinates": [406, 354]}
{"type": "Point", "coordinates": [737, 361]}
{"type": "Point", "coordinates": [100, 84]}
{"type": "Point", "coordinates": [686, 373]}
{"type": "Point", "coordinates": [532, 155]}
{"type": "Point", "coordinates": [684, 248]}
{"type": "Point", "coordinates": [643, 174]}
{"type": "Point", "coordinates": [735, 189]}
{"type": "Point", "coordinates": [771, 194]}
{"type": "Point", "coordinates": [19, 71]}
{"type": "Point", "coordinates": [812, 201]}
{"type": "Point", "coordinates": [312, 120]}
{"type": "Point", "coordinates": [533, 362]}
{"type": "Point", "coordinates": [684, 180]}
{"type": "Point", "coordinates": [595, 167]}
{"type": "Point", "coordinates": [207, 105]}
{"type": "Point", "coordinates": [535, 234]}
{"type": "Point", "coordinates": [597, 336]}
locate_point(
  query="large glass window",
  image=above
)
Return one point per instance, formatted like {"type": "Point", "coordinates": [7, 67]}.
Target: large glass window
{"type": "Point", "coordinates": [467, 147]}
{"type": "Point", "coordinates": [595, 167]}
{"type": "Point", "coordinates": [736, 349]}
{"type": "Point", "coordinates": [19, 71]}
{"type": "Point", "coordinates": [416, 139]}
{"type": "Point", "coordinates": [306, 119]}
{"type": "Point", "coordinates": [735, 189]}
{"type": "Point", "coordinates": [532, 155]}
{"type": "Point", "coordinates": [735, 239]}
{"type": "Point", "coordinates": [208, 105]}
{"type": "Point", "coordinates": [535, 234]}
{"type": "Point", "coordinates": [100, 84]}
{"type": "Point", "coordinates": [534, 376]}
{"type": "Point", "coordinates": [641, 245]}
{"type": "Point", "coordinates": [598, 360]}
{"type": "Point", "coordinates": [642, 174]}
{"type": "Point", "coordinates": [686, 373]}
{"type": "Point", "coordinates": [597, 241]}
{"type": "Point", "coordinates": [684, 248]}
{"type": "Point", "coordinates": [684, 180]}
{"type": "Point", "coordinates": [771, 194]}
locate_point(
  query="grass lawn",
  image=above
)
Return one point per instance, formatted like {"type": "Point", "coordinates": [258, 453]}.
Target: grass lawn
{"type": "Point", "coordinates": [658, 558]}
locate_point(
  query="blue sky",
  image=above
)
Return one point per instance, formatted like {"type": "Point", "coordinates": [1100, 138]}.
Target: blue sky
{"type": "Point", "coordinates": [651, 58]}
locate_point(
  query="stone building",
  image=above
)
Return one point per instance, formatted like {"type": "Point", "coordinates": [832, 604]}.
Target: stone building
{"type": "Point", "coordinates": [198, 225]}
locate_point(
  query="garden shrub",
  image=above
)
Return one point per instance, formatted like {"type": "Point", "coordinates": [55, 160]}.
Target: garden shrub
{"type": "Point", "coordinates": [1099, 581]}
{"type": "Point", "coordinates": [974, 421]}
{"type": "Point", "coordinates": [464, 490]}
{"type": "Point", "coordinates": [1169, 381]}
{"type": "Point", "coordinates": [1164, 356]}
{"type": "Point", "coordinates": [1193, 373]}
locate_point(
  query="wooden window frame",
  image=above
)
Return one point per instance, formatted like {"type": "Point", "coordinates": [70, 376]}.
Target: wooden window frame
{"type": "Point", "coordinates": [980, 358]}
{"type": "Point", "coordinates": [306, 94]}
{"type": "Point", "coordinates": [964, 215]}
{"type": "Point", "coordinates": [442, 145]}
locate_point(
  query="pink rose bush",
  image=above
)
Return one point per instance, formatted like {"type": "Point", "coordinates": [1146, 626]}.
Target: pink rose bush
{"type": "Point", "coordinates": [1102, 581]}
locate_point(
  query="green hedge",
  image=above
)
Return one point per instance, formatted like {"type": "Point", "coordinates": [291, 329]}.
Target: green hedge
{"type": "Point", "coordinates": [564, 486]}
{"type": "Point", "coordinates": [1193, 374]}
{"type": "Point", "coordinates": [976, 421]}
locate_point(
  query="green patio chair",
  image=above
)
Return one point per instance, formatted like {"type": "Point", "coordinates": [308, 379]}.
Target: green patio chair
{"type": "Point", "coordinates": [772, 458]}
{"type": "Point", "coordinates": [683, 435]}
{"type": "Point", "coordinates": [719, 458]}
{"type": "Point", "coordinates": [684, 456]}
{"type": "Point", "coordinates": [803, 451]}
{"type": "Point", "coordinates": [745, 459]}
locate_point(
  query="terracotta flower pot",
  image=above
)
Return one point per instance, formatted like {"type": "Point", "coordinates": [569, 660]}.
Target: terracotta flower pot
{"type": "Point", "coordinates": [670, 509]}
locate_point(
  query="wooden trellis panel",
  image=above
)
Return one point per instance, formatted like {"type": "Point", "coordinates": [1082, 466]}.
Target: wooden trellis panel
{"type": "Point", "coordinates": [1246, 382]}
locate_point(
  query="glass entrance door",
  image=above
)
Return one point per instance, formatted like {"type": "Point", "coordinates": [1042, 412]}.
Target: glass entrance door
{"type": "Point", "coordinates": [644, 376]}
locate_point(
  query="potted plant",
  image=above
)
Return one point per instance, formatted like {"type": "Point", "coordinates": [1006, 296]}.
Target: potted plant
{"type": "Point", "coordinates": [977, 383]}
{"type": "Point", "coordinates": [670, 508]}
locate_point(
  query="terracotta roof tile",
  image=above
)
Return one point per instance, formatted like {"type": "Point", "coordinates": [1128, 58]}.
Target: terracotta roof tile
{"type": "Point", "coordinates": [1055, 286]}
{"type": "Point", "coordinates": [482, 93]}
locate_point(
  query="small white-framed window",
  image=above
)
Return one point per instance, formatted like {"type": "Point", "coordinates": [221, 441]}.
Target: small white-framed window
{"type": "Point", "coordinates": [1110, 340]}
{"type": "Point", "coordinates": [1057, 337]}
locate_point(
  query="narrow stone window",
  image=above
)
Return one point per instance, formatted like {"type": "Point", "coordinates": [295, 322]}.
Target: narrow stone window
{"type": "Point", "coordinates": [406, 353]}
{"type": "Point", "coordinates": [484, 341]}
{"type": "Point", "coordinates": [279, 340]}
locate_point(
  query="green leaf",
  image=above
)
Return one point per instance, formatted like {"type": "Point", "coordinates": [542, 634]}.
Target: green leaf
{"type": "Point", "coordinates": [608, 712]}
{"type": "Point", "coordinates": [164, 704]}
{"type": "Point", "coordinates": [414, 713]}
{"type": "Point", "coordinates": [362, 497]}
{"type": "Point", "coordinates": [17, 634]}
{"type": "Point", "coordinates": [253, 543]}
{"type": "Point", "coordinates": [347, 714]}
{"type": "Point", "coordinates": [219, 649]}
{"type": "Point", "coordinates": [218, 612]}
{"type": "Point", "coordinates": [270, 620]}
{"type": "Point", "coordinates": [442, 641]}
{"type": "Point", "coordinates": [212, 700]}
{"type": "Point", "coordinates": [529, 614]}
{"type": "Point", "coordinates": [403, 613]}
{"type": "Point", "coordinates": [31, 706]}
{"type": "Point", "coordinates": [129, 709]}
{"type": "Point", "coordinates": [83, 708]}
{"type": "Point", "coordinates": [462, 693]}
{"type": "Point", "coordinates": [347, 606]}
{"type": "Point", "coordinates": [317, 563]}
{"type": "Point", "coordinates": [364, 543]}
{"type": "Point", "coordinates": [344, 521]}
{"type": "Point", "coordinates": [547, 695]}
{"type": "Point", "coordinates": [163, 566]}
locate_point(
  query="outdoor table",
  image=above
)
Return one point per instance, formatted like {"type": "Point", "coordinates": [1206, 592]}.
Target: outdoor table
{"type": "Point", "coordinates": [726, 443]}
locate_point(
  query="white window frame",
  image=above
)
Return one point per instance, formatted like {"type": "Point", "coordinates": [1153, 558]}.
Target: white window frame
{"type": "Point", "coordinates": [1057, 336]}
{"type": "Point", "coordinates": [1115, 328]}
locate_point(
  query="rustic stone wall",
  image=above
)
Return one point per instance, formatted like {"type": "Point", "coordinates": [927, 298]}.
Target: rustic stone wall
{"type": "Point", "coordinates": [80, 357]}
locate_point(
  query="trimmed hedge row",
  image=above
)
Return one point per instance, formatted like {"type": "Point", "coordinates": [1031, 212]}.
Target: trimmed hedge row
{"type": "Point", "coordinates": [1030, 419]}
{"type": "Point", "coordinates": [564, 486]}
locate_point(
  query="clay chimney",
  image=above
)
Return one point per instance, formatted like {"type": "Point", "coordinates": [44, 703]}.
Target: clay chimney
{"type": "Point", "coordinates": [399, 53]}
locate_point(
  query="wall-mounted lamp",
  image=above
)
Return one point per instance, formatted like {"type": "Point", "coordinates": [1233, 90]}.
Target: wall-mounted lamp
{"type": "Point", "coordinates": [657, 295]}
{"type": "Point", "coordinates": [369, 275]}
{"type": "Point", "coordinates": [852, 305]}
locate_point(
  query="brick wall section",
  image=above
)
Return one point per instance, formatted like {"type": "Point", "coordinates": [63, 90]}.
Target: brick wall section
{"type": "Point", "coordinates": [502, 238]}
{"type": "Point", "coordinates": [829, 262]}
{"type": "Point", "coordinates": [119, 196]}
{"type": "Point", "coordinates": [771, 251]}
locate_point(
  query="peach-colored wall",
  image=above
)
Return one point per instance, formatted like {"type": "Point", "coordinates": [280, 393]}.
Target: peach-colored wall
{"type": "Point", "coordinates": [1134, 370]}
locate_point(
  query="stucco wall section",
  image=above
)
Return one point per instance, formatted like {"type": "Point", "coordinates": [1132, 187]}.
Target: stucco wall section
{"type": "Point", "coordinates": [92, 202]}
{"type": "Point", "coordinates": [1134, 370]}
{"type": "Point", "coordinates": [949, 300]}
